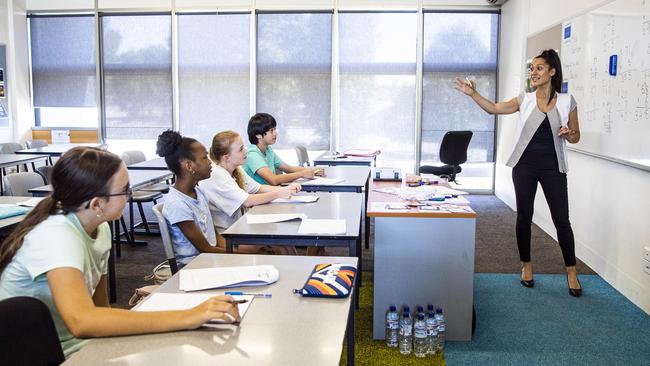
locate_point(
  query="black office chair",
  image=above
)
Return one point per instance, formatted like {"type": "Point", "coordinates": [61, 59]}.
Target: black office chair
{"type": "Point", "coordinates": [453, 152]}
{"type": "Point", "coordinates": [27, 333]}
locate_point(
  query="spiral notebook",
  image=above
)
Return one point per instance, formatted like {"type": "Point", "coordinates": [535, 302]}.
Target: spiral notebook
{"type": "Point", "coordinates": [225, 277]}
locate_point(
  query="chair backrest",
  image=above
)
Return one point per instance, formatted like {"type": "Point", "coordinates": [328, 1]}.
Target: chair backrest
{"type": "Point", "coordinates": [10, 147]}
{"type": "Point", "coordinates": [32, 144]}
{"type": "Point", "coordinates": [453, 149]}
{"type": "Point", "coordinates": [166, 237]}
{"type": "Point", "coordinates": [303, 156]}
{"type": "Point", "coordinates": [19, 184]}
{"type": "Point", "coordinates": [46, 172]}
{"type": "Point", "coordinates": [133, 157]}
{"type": "Point", "coordinates": [27, 333]}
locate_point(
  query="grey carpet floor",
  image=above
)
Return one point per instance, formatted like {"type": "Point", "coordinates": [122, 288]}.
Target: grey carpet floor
{"type": "Point", "coordinates": [496, 249]}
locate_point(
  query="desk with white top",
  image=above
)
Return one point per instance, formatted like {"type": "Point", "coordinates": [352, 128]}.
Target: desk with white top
{"type": "Point", "coordinates": [423, 257]}
{"type": "Point", "coordinates": [286, 329]}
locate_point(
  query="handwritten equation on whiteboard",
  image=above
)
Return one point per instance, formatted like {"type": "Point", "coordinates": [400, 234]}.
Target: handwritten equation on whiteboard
{"type": "Point", "coordinates": [613, 99]}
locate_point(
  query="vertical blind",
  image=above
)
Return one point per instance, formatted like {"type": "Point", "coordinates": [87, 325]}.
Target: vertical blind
{"type": "Point", "coordinates": [294, 63]}
{"type": "Point", "coordinates": [213, 74]}
{"type": "Point", "coordinates": [63, 61]}
{"type": "Point", "coordinates": [458, 45]}
{"type": "Point", "coordinates": [377, 84]}
{"type": "Point", "coordinates": [137, 58]}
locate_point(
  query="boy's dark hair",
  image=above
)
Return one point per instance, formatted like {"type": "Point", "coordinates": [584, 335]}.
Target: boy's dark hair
{"type": "Point", "coordinates": [259, 124]}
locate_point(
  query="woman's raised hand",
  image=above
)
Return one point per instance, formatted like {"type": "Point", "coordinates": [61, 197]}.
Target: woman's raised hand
{"type": "Point", "coordinates": [466, 86]}
{"type": "Point", "coordinates": [217, 307]}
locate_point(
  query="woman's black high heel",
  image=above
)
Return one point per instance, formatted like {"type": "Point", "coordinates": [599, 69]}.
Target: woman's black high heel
{"type": "Point", "coordinates": [575, 292]}
{"type": "Point", "coordinates": [526, 283]}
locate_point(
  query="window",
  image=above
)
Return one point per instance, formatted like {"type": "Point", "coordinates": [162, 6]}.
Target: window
{"type": "Point", "coordinates": [214, 74]}
{"type": "Point", "coordinates": [293, 76]}
{"type": "Point", "coordinates": [63, 70]}
{"type": "Point", "coordinates": [377, 84]}
{"type": "Point", "coordinates": [444, 108]}
{"type": "Point", "coordinates": [136, 53]}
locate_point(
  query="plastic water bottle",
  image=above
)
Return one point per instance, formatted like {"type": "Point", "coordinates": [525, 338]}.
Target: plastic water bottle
{"type": "Point", "coordinates": [392, 326]}
{"type": "Point", "coordinates": [441, 329]}
{"type": "Point", "coordinates": [432, 332]}
{"type": "Point", "coordinates": [420, 341]}
{"type": "Point", "coordinates": [420, 310]}
{"type": "Point", "coordinates": [406, 334]}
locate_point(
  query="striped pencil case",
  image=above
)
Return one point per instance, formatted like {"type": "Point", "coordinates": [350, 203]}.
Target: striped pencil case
{"type": "Point", "coordinates": [329, 280]}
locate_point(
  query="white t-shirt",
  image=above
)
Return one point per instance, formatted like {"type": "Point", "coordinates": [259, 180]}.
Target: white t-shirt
{"type": "Point", "coordinates": [59, 241]}
{"type": "Point", "coordinates": [225, 197]}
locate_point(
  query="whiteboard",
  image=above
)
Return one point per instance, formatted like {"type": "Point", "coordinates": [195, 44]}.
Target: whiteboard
{"type": "Point", "coordinates": [614, 111]}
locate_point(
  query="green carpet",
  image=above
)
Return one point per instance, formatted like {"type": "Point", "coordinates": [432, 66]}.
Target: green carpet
{"type": "Point", "coordinates": [371, 352]}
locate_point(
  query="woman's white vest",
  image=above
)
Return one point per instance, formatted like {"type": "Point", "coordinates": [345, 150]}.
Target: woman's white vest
{"type": "Point", "coordinates": [530, 118]}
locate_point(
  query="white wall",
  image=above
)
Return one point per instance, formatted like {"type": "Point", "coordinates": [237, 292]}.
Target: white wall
{"type": "Point", "coordinates": [13, 33]}
{"type": "Point", "coordinates": [609, 203]}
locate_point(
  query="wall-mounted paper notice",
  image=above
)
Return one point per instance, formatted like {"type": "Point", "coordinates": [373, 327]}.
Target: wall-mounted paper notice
{"type": "Point", "coordinates": [60, 136]}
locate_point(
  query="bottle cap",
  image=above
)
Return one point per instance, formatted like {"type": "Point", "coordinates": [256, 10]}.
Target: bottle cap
{"type": "Point", "coordinates": [432, 314]}
{"type": "Point", "coordinates": [439, 311]}
{"type": "Point", "coordinates": [429, 307]}
{"type": "Point", "coordinates": [406, 308]}
{"type": "Point", "coordinates": [393, 308]}
{"type": "Point", "coordinates": [420, 309]}
{"type": "Point", "coordinates": [420, 316]}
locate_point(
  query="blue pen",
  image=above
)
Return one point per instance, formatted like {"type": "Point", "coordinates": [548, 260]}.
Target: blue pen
{"type": "Point", "coordinates": [239, 293]}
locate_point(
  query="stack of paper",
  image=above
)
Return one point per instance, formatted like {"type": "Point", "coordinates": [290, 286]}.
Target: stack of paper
{"type": "Point", "coordinates": [271, 218]}
{"type": "Point", "coordinates": [169, 302]}
{"type": "Point", "coordinates": [207, 278]}
{"type": "Point", "coordinates": [322, 182]}
{"type": "Point", "coordinates": [296, 199]}
{"type": "Point", "coordinates": [322, 226]}
{"type": "Point", "coordinates": [362, 152]}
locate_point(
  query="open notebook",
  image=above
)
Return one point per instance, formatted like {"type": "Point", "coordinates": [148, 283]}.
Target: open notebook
{"type": "Point", "coordinates": [167, 302]}
{"type": "Point", "coordinates": [225, 277]}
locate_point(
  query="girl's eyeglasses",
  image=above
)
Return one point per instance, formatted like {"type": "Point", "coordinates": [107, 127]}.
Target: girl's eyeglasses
{"type": "Point", "coordinates": [128, 192]}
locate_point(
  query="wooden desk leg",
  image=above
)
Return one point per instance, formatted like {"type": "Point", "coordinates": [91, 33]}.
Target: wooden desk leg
{"type": "Point", "coordinates": [351, 333]}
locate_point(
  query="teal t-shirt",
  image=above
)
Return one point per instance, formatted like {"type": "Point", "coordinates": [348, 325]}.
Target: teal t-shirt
{"type": "Point", "coordinates": [255, 160]}
{"type": "Point", "coordinates": [59, 241]}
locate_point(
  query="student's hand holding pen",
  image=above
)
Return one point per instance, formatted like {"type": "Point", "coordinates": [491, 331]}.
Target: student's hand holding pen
{"type": "Point", "coordinates": [217, 307]}
{"type": "Point", "coordinates": [294, 187]}
{"type": "Point", "coordinates": [320, 172]}
{"type": "Point", "coordinates": [286, 191]}
{"type": "Point", "coordinates": [466, 86]}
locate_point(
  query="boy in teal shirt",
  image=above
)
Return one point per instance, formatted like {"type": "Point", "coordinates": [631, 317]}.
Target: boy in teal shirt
{"type": "Point", "coordinates": [262, 163]}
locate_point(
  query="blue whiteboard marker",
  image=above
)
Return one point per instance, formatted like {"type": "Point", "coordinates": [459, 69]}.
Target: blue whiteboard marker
{"type": "Point", "coordinates": [612, 65]}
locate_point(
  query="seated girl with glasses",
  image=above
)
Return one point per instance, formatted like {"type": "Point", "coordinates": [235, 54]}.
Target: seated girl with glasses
{"type": "Point", "coordinates": [230, 191]}
{"type": "Point", "coordinates": [59, 255]}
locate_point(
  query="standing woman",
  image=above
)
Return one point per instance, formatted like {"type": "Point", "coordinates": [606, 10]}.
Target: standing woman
{"type": "Point", "coordinates": [59, 255]}
{"type": "Point", "coordinates": [548, 119]}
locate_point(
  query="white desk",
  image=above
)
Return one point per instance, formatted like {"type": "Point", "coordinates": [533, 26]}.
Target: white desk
{"type": "Point", "coordinates": [286, 329]}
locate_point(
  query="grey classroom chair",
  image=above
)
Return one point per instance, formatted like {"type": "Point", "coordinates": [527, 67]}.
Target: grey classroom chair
{"type": "Point", "coordinates": [19, 184]}
{"type": "Point", "coordinates": [166, 237]}
{"type": "Point", "coordinates": [32, 144]}
{"type": "Point", "coordinates": [10, 147]}
{"type": "Point", "coordinates": [136, 156]}
{"type": "Point", "coordinates": [303, 156]}
{"type": "Point", "coordinates": [46, 172]}
{"type": "Point", "coordinates": [27, 333]}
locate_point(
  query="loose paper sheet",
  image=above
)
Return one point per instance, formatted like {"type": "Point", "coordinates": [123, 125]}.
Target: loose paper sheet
{"type": "Point", "coordinates": [322, 182]}
{"type": "Point", "coordinates": [223, 277]}
{"type": "Point", "coordinates": [271, 218]}
{"type": "Point", "coordinates": [297, 199]}
{"type": "Point", "coordinates": [168, 302]}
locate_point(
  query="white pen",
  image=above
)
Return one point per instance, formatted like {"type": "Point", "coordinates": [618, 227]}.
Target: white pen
{"type": "Point", "coordinates": [469, 82]}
